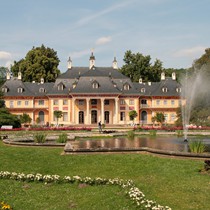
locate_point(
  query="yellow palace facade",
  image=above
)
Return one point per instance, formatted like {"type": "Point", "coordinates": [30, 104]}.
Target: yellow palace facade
{"type": "Point", "coordinates": [87, 95]}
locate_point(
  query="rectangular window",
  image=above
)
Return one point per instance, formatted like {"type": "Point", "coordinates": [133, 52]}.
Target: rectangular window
{"type": "Point", "coordinates": [143, 101]}
{"type": "Point", "coordinates": [172, 102]}
{"type": "Point", "coordinates": [158, 102]}
{"type": "Point", "coordinates": [122, 116]}
{"type": "Point", "coordinates": [26, 103]}
{"type": "Point", "coordinates": [93, 101]}
{"type": "Point", "coordinates": [19, 103]}
{"type": "Point", "coordinates": [165, 102]}
{"type": "Point", "coordinates": [173, 117]}
{"type": "Point", "coordinates": [65, 102]}
{"type": "Point", "coordinates": [166, 117]}
{"type": "Point", "coordinates": [11, 104]}
{"type": "Point", "coordinates": [122, 102]}
{"type": "Point", "coordinates": [65, 116]}
{"type": "Point", "coordinates": [106, 102]}
{"type": "Point", "coordinates": [81, 102]}
{"type": "Point", "coordinates": [55, 102]}
{"type": "Point", "coordinates": [131, 102]}
{"type": "Point", "coordinates": [41, 102]}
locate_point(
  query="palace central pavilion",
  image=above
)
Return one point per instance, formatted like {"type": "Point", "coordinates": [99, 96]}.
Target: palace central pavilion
{"type": "Point", "coordinates": [87, 95]}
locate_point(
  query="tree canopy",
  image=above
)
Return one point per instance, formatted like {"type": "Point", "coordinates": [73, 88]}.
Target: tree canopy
{"type": "Point", "coordinates": [139, 66]}
{"type": "Point", "coordinates": [203, 60]}
{"type": "Point", "coordinates": [3, 72]}
{"type": "Point", "coordinates": [39, 62]}
{"type": "Point", "coordinates": [25, 118]}
{"type": "Point", "coordinates": [6, 118]}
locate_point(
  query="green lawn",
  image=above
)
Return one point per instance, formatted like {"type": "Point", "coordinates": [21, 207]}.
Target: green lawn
{"type": "Point", "coordinates": [173, 182]}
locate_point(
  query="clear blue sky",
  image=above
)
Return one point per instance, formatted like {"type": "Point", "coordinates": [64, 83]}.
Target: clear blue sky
{"type": "Point", "coordinates": [174, 31]}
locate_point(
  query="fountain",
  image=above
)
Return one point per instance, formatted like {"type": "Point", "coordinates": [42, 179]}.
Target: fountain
{"type": "Point", "coordinates": [194, 86]}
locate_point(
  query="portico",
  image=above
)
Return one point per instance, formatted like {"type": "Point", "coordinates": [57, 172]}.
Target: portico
{"type": "Point", "coordinates": [92, 109]}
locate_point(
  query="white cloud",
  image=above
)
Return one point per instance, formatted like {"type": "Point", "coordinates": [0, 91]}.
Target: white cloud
{"type": "Point", "coordinates": [104, 12]}
{"type": "Point", "coordinates": [190, 52]}
{"type": "Point", "coordinates": [103, 40]}
{"type": "Point", "coordinates": [5, 55]}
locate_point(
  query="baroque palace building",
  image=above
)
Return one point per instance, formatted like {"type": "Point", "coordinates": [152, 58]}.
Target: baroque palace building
{"type": "Point", "coordinates": [87, 95]}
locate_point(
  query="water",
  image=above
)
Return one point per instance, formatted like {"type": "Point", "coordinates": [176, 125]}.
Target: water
{"type": "Point", "coordinates": [165, 143]}
{"type": "Point", "coordinates": [194, 85]}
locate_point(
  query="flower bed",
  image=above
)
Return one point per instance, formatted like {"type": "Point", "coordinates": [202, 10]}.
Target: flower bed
{"type": "Point", "coordinates": [131, 191]}
{"type": "Point", "coordinates": [50, 129]}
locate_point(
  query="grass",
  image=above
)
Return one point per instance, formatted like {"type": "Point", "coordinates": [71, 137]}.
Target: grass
{"type": "Point", "coordinates": [173, 182]}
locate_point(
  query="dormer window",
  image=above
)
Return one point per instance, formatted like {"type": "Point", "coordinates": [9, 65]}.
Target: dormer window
{"type": "Point", "coordinates": [95, 85]}
{"type": "Point", "coordinates": [20, 90]}
{"type": "Point", "coordinates": [142, 90]}
{"type": "Point", "coordinates": [178, 90]}
{"type": "Point", "coordinates": [164, 89]}
{"type": "Point", "coordinates": [61, 86]}
{"type": "Point", "coordinates": [126, 87]}
{"type": "Point", "coordinates": [41, 90]}
{"type": "Point", "coordinates": [4, 89]}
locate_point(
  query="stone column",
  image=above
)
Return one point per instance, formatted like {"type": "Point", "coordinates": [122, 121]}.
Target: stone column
{"type": "Point", "coordinates": [88, 111]}
{"type": "Point", "coordinates": [102, 110]}
{"type": "Point", "coordinates": [116, 110]}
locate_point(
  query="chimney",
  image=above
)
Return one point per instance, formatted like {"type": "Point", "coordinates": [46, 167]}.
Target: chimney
{"type": "Point", "coordinates": [140, 81]}
{"type": "Point", "coordinates": [149, 83]}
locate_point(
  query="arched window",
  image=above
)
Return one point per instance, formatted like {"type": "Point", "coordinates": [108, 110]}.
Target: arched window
{"type": "Point", "coordinates": [94, 116]}
{"type": "Point", "coordinates": [143, 117]}
{"type": "Point", "coordinates": [81, 117]}
{"type": "Point", "coordinates": [41, 116]}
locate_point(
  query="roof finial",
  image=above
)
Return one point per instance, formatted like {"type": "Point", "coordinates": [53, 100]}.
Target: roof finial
{"type": "Point", "coordinates": [92, 59]}
{"type": "Point", "coordinates": [69, 65]}
{"type": "Point", "coordinates": [114, 63]}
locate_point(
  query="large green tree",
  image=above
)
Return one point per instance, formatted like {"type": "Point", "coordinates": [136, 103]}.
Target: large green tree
{"type": "Point", "coordinates": [39, 62]}
{"type": "Point", "coordinates": [203, 60]}
{"type": "Point", "coordinates": [6, 118]}
{"type": "Point", "coordinates": [139, 66]}
{"type": "Point", "coordinates": [3, 72]}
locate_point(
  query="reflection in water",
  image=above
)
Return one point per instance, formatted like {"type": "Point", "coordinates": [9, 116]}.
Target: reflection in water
{"type": "Point", "coordinates": [162, 143]}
